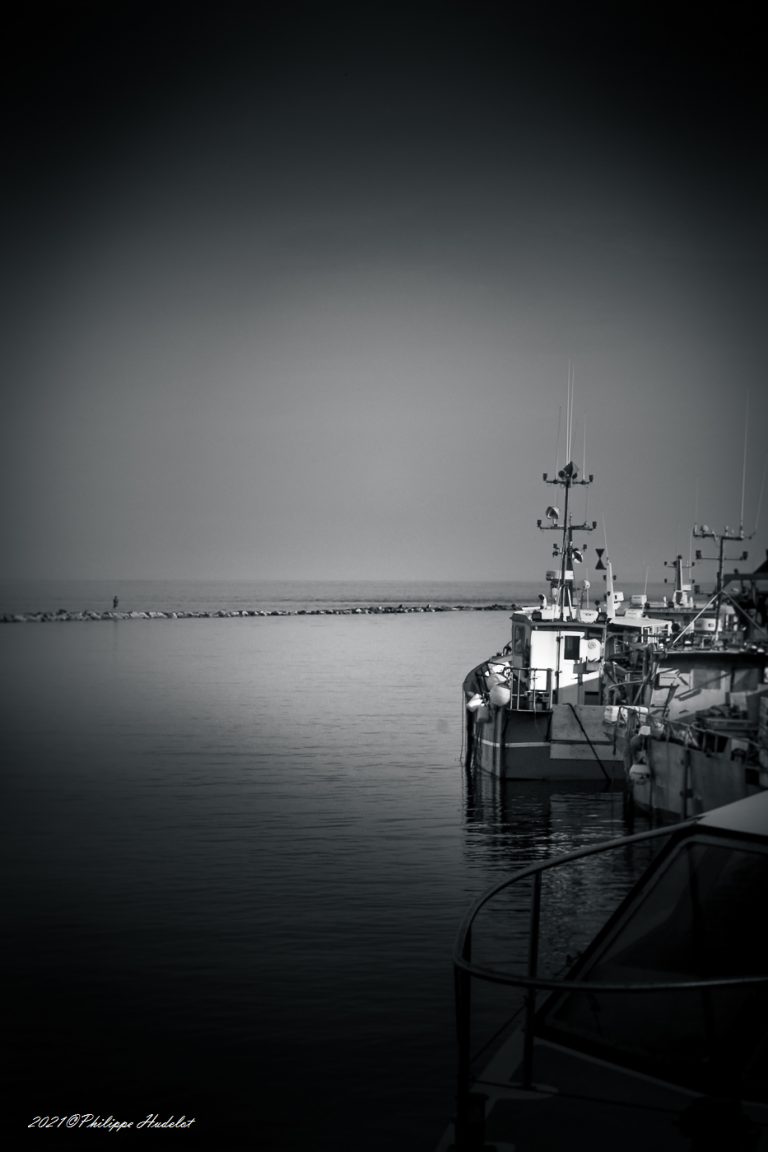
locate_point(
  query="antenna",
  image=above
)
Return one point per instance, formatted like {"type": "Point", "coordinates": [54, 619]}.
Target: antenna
{"type": "Point", "coordinates": [569, 424]}
{"type": "Point", "coordinates": [744, 463]}
{"type": "Point", "coordinates": [760, 497]}
{"type": "Point", "coordinates": [557, 442]}
{"type": "Point", "coordinates": [568, 415]}
{"type": "Point", "coordinates": [584, 468]}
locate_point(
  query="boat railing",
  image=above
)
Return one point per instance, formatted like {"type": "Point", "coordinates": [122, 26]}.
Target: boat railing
{"type": "Point", "coordinates": [709, 738]}
{"type": "Point", "coordinates": [623, 685]}
{"type": "Point", "coordinates": [531, 689]}
{"type": "Point", "coordinates": [469, 1121]}
{"type": "Point", "coordinates": [713, 736]}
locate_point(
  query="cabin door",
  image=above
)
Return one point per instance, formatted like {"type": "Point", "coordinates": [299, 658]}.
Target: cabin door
{"type": "Point", "coordinates": [571, 690]}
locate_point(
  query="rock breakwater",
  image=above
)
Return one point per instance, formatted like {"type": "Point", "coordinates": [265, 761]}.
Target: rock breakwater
{"type": "Point", "coordinates": [64, 616]}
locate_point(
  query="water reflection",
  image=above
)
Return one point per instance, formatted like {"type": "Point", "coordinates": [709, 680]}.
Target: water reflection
{"type": "Point", "coordinates": [512, 824]}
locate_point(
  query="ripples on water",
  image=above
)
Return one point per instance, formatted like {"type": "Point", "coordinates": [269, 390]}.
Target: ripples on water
{"type": "Point", "coordinates": [239, 852]}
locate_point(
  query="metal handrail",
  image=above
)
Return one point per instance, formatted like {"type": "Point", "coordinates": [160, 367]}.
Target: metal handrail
{"type": "Point", "coordinates": [463, 945]}
{"type": "Point", "coordinates": [467, 1118]}
{"type": "Point", "coordinates": [678, 732]}
{"type": "Point", "coordinates": [676, 729]}
{"type": "Point", "coordinates": [521, 683]}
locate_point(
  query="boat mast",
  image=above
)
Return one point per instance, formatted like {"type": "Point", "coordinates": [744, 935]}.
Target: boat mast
{"type": "Point", "coordinates": [680, 597]}
{"type": "Point", "coordinates": [703, 531]}
{"type": "Point", "coordinates": [610, 597]}
{"type": "Point", "coordinates": [566, 478]}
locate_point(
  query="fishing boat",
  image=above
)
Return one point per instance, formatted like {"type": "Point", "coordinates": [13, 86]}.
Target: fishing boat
{"type": "Point", "coordinates": [656, 1035]}
{"type": "Point", "coordinates": [699, 735]}
{"type": "Point", "coordinates": [535, 710]}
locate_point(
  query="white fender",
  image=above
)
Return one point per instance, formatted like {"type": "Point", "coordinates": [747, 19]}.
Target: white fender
{"type": "Point", "coordinates": [500, 695]}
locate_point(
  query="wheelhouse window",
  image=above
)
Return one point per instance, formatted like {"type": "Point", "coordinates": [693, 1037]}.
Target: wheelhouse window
{"type": "Point", "coordinates": [571, 647]}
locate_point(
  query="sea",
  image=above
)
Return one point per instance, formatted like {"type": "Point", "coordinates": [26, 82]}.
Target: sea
{"type": "Point", "coordinates": [236, 854]}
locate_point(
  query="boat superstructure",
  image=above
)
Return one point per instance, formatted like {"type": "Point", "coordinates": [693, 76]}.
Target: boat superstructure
{"type": "Point", "coordinates": [656, 1035]}
{"type": "Point", "coordinates": [684, 601]}
{"type": "Point", "coordinates": [699, 735]}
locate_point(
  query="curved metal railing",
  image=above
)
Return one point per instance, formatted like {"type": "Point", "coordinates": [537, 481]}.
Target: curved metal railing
{"type": "Point", "coordinates": [465, 970]}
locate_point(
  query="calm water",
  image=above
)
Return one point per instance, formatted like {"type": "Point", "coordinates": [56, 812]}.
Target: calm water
{"type": "Point", "coordinates": [236, 854]}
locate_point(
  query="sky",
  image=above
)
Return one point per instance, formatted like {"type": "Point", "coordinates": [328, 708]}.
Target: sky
{"type": "Point", "coordinates": [293, 290]}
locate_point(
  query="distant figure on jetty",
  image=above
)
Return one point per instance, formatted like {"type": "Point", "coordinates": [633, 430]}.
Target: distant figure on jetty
{"type": "Point", "coordinates": [115, 603]}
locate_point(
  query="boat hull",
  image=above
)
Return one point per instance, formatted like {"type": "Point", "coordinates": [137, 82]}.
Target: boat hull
{"type": "Point", "coordinates": [567, 742]}
{"type": "Point", "coordinates": [574, 1093]}
{"type": "Point", "coordinates": [679, 781]}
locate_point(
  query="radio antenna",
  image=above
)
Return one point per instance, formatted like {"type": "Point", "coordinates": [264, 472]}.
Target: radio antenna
{"type": "Point", "coordinates": [760, 497]}
{"type": "Point", "coordinates": [744, 463]}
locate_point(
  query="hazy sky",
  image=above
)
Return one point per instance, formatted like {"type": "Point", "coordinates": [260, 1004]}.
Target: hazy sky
{"type": "Point", "coordinates": [291, 290]}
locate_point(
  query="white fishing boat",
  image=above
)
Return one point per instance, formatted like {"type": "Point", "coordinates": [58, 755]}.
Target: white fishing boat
{"type": "Point", "coordinates": [656, 1035]}
{"type": "Point", "coordinates": [536, 710]}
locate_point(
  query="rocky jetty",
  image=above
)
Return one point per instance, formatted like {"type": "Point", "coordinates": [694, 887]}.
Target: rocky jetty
{"type": "Point", "coordinates": [62, 616]}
